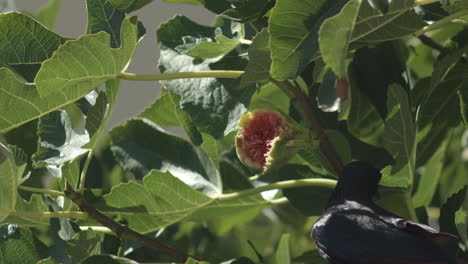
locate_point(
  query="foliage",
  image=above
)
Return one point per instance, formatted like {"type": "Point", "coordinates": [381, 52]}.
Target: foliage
{"type": "Point", "coordinates": [375, 80]}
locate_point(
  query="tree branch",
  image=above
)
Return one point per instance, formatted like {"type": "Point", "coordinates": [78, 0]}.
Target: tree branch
{"type": "Point", "coordinates": [303, 105]}
{"type": "Point", "coordinates": [430, 43]}
{"type": "Point", "coordinates": [122, 231]}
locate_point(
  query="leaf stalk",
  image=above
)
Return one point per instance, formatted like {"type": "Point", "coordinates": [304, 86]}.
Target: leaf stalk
{"type": "Point", "coordinates": [441, 22]}
{"type": "Point", "coordinates": [60, 214]}
{"type": "Point", "coordinates": [327, 183]}
{"type": "Point", "coordinates": [180, 75]}
{"type": "Point", "coordinates": [39, 190]}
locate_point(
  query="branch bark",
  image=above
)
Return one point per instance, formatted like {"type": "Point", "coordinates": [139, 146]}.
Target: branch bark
{"type": "Point", "coordinates": [122, 231]}
{"type": "Point", "coordinates": [304, 106]}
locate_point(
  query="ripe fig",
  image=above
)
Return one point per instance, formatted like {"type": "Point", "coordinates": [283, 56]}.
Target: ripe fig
{"type": "Point", "coordinates": [267, 139]}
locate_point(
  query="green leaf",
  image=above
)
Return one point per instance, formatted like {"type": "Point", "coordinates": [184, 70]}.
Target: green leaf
{"type": "Point", "coordinates": [209, 49]}
{"type": "Point", "coordinates": [22, 164]}
{"type": "Point", "coordinates": [192, 2]}
{"type": "Point", "coordinates": [447, 60]}
{"type": "Point", "coordinates": [102, 16]}
{"type": "Point", "coordinates": [270, 96]}
{"type": "Point", "coordinates": [434, 117]}
{"type": "Point", "coordinates": [18, 244]}
{"type": "Point", "coordinates": [399, 139]}
{"type": "Point", "coordinates": [310, 201]}
{"type": "Point", "coordinates": [8, 178]}
{"type": "Point", "coordinates": [461, 221]}
{"type": "Point", "coordinates": [258, 69]}
{"type": "Point", "coordinates": [48, 14]}
{"type": "Point", "coordinates": [141, 146]}
{"type": "Point", "coordinates": [58, 141]}
{"type": "Point", "coordinates": [247, 10]}
{"type": "Point", "coordinates": [70, 67]}
{"type": "Point", "coordinates": [166, 111]}
{"type": "Point", "coordinates": [7, 5]}
{"type": "Point", "coordinates": [108, 259]}
{"type": "Point", "coordinates": [83, 244]}
{"type": "Point", "coordinates": [129, 5]}
{"type": "Point", "coordinates": [164, 200]}
{"type": "Point", "coordinates": [65, 230]}
{"type": "Point", "coordinates": [35, 205]}
{"type": "Point", "coordinates": [211, 147]}
{"type": "Point", "coordinates": [96, 115]}
{"type": "Point", "coordinates": [282, 252]}
{"type": "Point", "coordinates": [429, 179]}
{"type": "Point", "coordinates": [380, 5]}
{"type": "Point", "coordinates": [24, 96]}
{"type": "Point", "coordinates": [100, 113]}
{"type": "Point", "coordinates": [369, 81]}
{"type": "Point", "coordinates": [453, 6]}
{"type": "Point", "coordinates": [219, 99]}
{"type": "Point", "coordinates": [398, 22]}
{"type": "Point", "coordinates": [309, 256]}
{"type": "Point", "coordinates": [33, 43]}
{"type": "Point", "coordinates": [447, 220]}
{"type": "Point", "coordinates": [335, 36]}
{"type": "Point", "coordinates": [293, 29]}
{"type": "Point", "coordinates": [48, 261]}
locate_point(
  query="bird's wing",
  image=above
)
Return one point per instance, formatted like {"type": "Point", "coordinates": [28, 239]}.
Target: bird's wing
{"type": "Point", "coordinates": [424, 231]}
{"type": "Point", "coordinates": [356, 236]}
{"type": "Point", "coordinates": [384, 260]}
{"type": "Point", "coordinates": [439, 238]}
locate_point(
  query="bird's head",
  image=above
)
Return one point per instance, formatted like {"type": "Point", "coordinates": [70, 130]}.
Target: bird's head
{"type": "Point", "coordinates": [358, 181]}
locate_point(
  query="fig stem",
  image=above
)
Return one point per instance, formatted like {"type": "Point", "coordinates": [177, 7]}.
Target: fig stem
{"type": "Point", "coordinates": [319, 182]}
{"type": "Point", "coordinates": [302, 104]}
{"type": "Point", "coordinates": [180, 75]}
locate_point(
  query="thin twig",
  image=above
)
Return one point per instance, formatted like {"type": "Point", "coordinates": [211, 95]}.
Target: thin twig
{"type": "Point", "coordinates": [306, 110]}
{"type": "Point", "coordinates": [430, 43]}
{"type": "Point", "coordinates": [122, 231]}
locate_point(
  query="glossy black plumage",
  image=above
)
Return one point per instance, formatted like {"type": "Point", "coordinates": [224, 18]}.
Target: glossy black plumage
{"type": "Point", "coordinates": [353, 230]}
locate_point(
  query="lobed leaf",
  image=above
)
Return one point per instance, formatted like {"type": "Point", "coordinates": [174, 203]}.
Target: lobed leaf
{"type": "Point", "coordinates": [164, 200]}
{"type": "Point", "coordinates": [209, 49]}
{"type": "Point", "coordinates": [17, 243]}
{"type": "Point", "coordinates": [87, 62]}
{"type": "Point", "coordinates": [166, 112]}
{"type": "Point", "coordinates": [8, 178]}
{"type": "Point", "coordinates": [141, 146]}
{"type": "Point", "coordinates": [83, 244]}
{"type": "Point", "coordinates": [258, 69]}
{"type": "Point", "coordinates": [335, 36]}
{"type": "Point", "coordinates": [293, 29]}
{"type": "Point", "coordinates": [214, 105]}
{"type": "Point", "coordinates": [34, 205]}
{"type": "Point", "coordinates": [58, 141]}
{"type": "Point", "coordinates": [398, 22]}
{"type": "Point", "coordinates": [103, 16]}
{"type": "Point", "coordinates": [399, 139]}
{"type": "Point", "coordinates": [28, 45]}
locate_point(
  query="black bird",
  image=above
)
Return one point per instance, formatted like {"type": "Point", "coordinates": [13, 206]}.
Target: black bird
{"type": "Point", "coordinates": [353, 230]}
